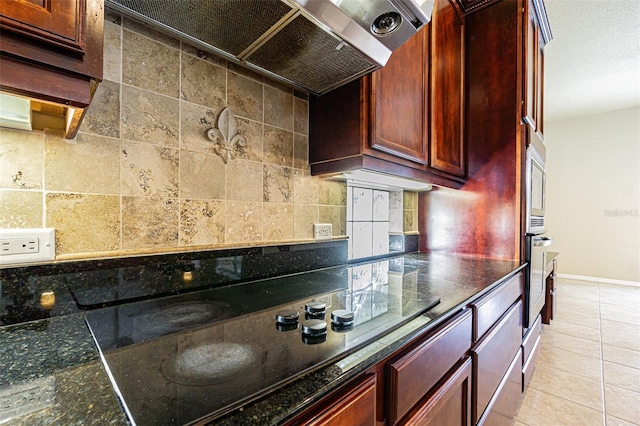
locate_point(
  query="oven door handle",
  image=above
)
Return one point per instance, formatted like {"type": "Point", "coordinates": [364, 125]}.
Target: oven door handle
{"type": "Point", "coordinates": [542, 241]}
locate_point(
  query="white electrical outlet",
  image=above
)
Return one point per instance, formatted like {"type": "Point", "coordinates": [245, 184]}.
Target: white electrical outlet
{"type": "Point", "coordinates": [322, 231]}
{"type": "Point", "coordinates": [27, 245]}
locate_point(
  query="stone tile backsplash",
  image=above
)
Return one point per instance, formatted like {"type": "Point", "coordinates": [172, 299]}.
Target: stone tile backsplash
{"type": "Point", "coordinates": [142, 177]}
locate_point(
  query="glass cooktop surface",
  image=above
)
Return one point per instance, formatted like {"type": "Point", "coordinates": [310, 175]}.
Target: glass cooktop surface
{"type": "Point", "coordinates": [177, 359]}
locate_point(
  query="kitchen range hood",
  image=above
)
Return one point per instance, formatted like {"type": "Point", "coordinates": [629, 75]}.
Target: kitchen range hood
{"type": "Point", "coordinates": [313, 45]}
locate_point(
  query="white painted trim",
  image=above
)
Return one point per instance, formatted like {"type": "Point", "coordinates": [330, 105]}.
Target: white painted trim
{"type": "Point", "coordinates": [600, 280]}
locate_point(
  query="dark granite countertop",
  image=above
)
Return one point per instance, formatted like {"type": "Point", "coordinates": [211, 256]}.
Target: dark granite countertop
{"type": "Point", "coordinates": [57, 356]}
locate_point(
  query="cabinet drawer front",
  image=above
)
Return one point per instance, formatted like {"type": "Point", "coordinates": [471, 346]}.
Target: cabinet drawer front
{"type": "Point", "coordinates": [530, 339]}
{"type": "Point", "coordinates": [415, 373]}
{"type": "Point", "coordinates": [504, 406]}
{"type": "Point", "coordinates": [530, 363]}
{"type": "Point", "coordinates": [356, 406]}
{"type": "Point", "coordinates": [493, 355]}
{"type": "Point", "coordinates": [491, 307]}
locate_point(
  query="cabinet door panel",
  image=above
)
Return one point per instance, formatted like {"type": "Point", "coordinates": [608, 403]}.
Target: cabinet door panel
{"type": "Point", "coordinates": [399, 114]}
{"type": "Point", "coordinates": [447, 93]}
{"type": "Point", "coordinates": [55, 22]}
{"type": "Point", "coordinates": [451, 402]}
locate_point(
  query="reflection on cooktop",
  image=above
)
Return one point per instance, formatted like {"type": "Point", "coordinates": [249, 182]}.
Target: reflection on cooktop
{"type": "Point", "coordinates": [183, 358]}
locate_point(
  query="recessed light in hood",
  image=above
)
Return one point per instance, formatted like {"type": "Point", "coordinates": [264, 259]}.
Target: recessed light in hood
{"type": "Point", "coordinates": [15, 112]}
{"type": "Point", "coordinates": [313, 45]}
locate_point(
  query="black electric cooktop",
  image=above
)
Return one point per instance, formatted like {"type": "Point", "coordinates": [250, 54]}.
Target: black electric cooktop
{"type": "Point", "coordinates": [177, 359]}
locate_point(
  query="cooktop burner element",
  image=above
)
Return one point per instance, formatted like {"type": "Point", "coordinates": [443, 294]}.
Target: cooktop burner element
{"type": "Point", "coordinates": [209, 363]}
{"type": "Point", "coordinates": [179, 359]}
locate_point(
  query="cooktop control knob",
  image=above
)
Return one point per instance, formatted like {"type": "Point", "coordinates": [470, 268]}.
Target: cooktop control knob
{"type": "Point", "coordinates": [315, 310]}
{"type": "Point", "coordinates": [341, 320]}
{"type": "Point", "coordinates": [314, 327]}
{"type": "Point", "coordinates": [286, 320]}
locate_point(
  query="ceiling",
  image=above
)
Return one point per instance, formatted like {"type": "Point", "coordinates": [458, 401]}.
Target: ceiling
{"type": "Point", "coordinates": [592, 65]}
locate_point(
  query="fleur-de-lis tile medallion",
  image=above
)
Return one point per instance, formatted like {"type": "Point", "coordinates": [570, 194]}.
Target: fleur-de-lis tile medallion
{"type": "Point", "coordinates": [225, 136]}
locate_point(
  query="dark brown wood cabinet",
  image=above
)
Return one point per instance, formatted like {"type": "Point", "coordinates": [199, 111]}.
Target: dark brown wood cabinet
{"type": "Point", "coordinates": [536, 35]}
{"type": "Point", "coordinates": [550, 299]}
{"type": "Point", "coordinates": [51, 51]}
{"type": "Point", "coordinates": [406, 118]}
{"type": "Point", "coordinates": [354, 404]}
{"type": "Point", "coordinates": [450, 404]}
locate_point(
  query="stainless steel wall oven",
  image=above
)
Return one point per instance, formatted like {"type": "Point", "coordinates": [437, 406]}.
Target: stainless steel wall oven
{"type": "Point", "coordinates": [536, 242]}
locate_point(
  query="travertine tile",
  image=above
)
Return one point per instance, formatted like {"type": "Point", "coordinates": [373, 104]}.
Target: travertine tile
{"type": "Point", "coordinates": [20, 209]}
{"type": "Point", "coordinates": [84, 222]}
{"type": "Point", "coordinates": [244, 180]}
{"type": "Point", "coordinates": [195, 120]}
{"type": "Point", "coordinates": [278, 146]}
{"type": "Point", "coordinates": [572, 362]}
{"type": "Point", "coordinates": [21, 159]}
{"type": "Point", "coordinates": [201, 176]}
{"type": "Point", "coordinates": [614, 421]}
{"type": "Point", "coordinates": [252, 133]}
{"type": "Point", "coordinates": [544, 409]}
{"type": "Point", "coordinates": [300, 116]}
{"type": "Point", "coordinates": [145, 30]}
{"type": "Point", "coordinates": [244, 96]}
{"type": "Point", "coordinates": [622, 376]}
{"type": "Point", "coordinates": [150, 117]}
{"type": "Point", "coordinates": [278, 222]}
{"type": "Point", "coordinates": [278, 184]}
{"type": "Point", "coordinates": [620, 313]}
{"type": "Point", "coordinates": [304, 216]}
{"type": "Point", "coordinates": [112, 16]}
{"type": "Point", "coordinates": [622, 356]}
{"type": "Point", "coordinates": [203, 83]}
{"type": "Point", "coordinates": [300, 152]}
{"type": "Point", "coordinates": [563, 384]}
{"type": "Point", "coordinates": [410, 200]}
{"type": "Point", "coordinates": [332, 192]}
{"type": "Point", "coordinates": [410, 220]}
{"type": "Point", "coordinates": [201, 54]}
{"type": "Point", "coordinates": [103, 115]}
{"type": "Point", "coordinates": [336, 216]}
{"type": "Point", "coordinates": [88, 164]}
{"type": "Point", "coordinates": [576, 330]}
{"type": "Point", "coordinates": [278, 108]}
{"type": "Point", "coordinates": [622, 403]}
{"type": "Point", "coordinates": [243, 222]}
{"type": "Point", "coordinates": [246, 72]}
{"type": "Point", "coordinates": [149, 170]}
{"type": "Point", "coordinates": [150, 65]}
{"type": "Point", "coordinates": [112, 60]}
{"type": "Point", "coordinates": [621, 334]}
{"type": "Point", "coordinates": [569, 343]}
{"type": "Point", "coordinates": [576, 318]}
{"type": "Point", "coordinates": [202, 222]}
{"type": "Point", "coordinates": [305, 188]}
{"type": "Point", "coordinates": [149, 222]}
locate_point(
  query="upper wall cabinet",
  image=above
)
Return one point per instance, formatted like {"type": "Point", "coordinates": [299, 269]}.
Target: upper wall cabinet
{"type": "Point", "coordinates": [537, 35]}
{"type": "Point", "coordinates": [51, 51]}
{"type": "Point", "coordinates": [406, 118]}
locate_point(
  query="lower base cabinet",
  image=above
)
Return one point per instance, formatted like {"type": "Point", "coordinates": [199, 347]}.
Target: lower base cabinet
{"type": "Point", "coordinates": [504, 405]}
{"type": "Point", "coordinates": [450, 404]}
{"type": "Point", "coordinates": [353, 405]}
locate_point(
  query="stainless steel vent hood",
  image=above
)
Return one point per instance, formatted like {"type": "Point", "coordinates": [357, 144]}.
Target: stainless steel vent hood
{"type": "Point", "coordinates": [314, 45]}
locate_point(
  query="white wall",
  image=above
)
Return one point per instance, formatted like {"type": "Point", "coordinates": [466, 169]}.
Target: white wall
{"type": "Point", "coordinates": [593, 194]}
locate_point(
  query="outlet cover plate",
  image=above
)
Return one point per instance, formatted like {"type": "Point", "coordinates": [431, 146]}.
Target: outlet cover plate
{"type": "Point", "coordinates": [42, 245]}
{"type": "Point", "coordinates": [322, 231]}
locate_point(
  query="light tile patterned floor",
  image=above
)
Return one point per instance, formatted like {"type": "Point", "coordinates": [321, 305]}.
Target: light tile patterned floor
{"type": "Point", "coordinates": [588, 371]}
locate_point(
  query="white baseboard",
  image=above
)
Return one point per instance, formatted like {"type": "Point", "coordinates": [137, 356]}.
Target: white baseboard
{"type": "Point", "coordinates": [600, 280]}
